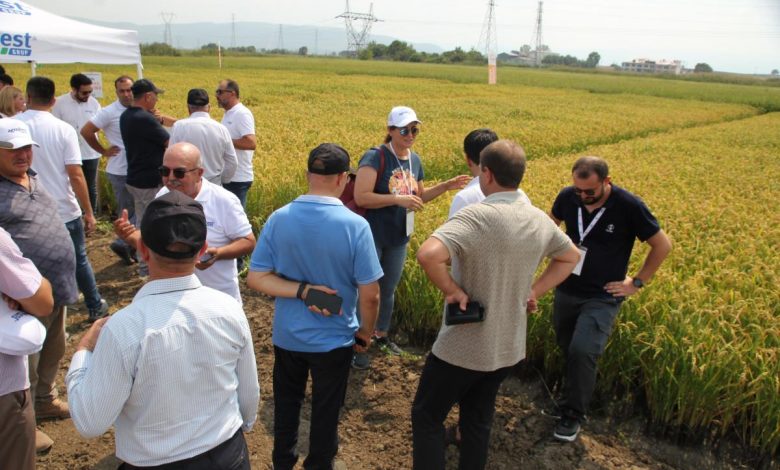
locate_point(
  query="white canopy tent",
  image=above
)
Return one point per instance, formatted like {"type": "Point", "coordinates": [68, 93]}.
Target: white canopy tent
{"type": "Point", "coordinates": [29, 34]}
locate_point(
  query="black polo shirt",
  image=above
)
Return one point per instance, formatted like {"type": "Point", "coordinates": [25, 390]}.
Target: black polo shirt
{"type": "Point", "coordinates": [144, 138]}
{"type": "Point", "coordinates": [609, 242]}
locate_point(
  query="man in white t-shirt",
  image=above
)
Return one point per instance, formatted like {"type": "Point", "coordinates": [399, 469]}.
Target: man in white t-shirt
{"type": "Point", "coordinates": [57, 161]}
{"type": "Point", "coordinates": [229, 232]}
{"type": "Point", "coordinates": [212, 138]}
{"type": "Point", "coordinates": [77, 108]}
{"type": "Point", "coordinates": [107, 120]}
{"type": "Point", "coordinates": [241, 123]}
{"type": "Point", "coordinates": [473, 144]}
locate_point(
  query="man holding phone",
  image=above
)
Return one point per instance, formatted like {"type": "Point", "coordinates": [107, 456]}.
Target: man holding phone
{"type": "Point", "coordinates": [315, 256]}
{"type": "Point", "coordinates": [498, 245]}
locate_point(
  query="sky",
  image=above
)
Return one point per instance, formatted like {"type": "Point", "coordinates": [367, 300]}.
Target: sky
{"type": "Point", "coordinates": [730, 35]}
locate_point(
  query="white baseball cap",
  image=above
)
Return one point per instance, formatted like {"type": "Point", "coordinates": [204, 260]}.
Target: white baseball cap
{"type": "Point", "coordinates": [401, 116]}
{"type": "Point", "coordinates": [14, 134]}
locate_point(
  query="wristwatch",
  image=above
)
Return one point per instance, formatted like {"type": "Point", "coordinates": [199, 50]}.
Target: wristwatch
{"type": "Point", "coordinates": [638, 283]}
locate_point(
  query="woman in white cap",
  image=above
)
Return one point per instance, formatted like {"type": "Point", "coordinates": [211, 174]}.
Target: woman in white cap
{"type": "Point", "coordinates": [389, 186]}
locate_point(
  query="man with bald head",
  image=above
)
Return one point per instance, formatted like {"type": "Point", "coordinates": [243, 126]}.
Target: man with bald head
{"type": "Point", "coordinates": [229, 232]}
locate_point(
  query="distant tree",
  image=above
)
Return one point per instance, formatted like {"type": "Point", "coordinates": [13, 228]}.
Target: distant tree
{"type": "Point", "coordinates": [775, 72]}
{"type": "Point", "coordinates": [209, 47]}
{"type": "Point", "coordinates": [702, 67]}
{"type": "Point", "coordinates": [303, 50]}
{"type": "Point", "coordinates": [158, 48]}
{"type": "Point", "coordinates": [593, 60]}
{"type": "Point", "coordinates": [525, 50]}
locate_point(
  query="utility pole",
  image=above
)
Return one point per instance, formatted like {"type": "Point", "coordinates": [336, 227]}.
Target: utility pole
{"type": "Point", "coordinates": [537, 40]}
{"type": "Point", "coordinates": [358, 28]}
{"type": "Point", "coordinates": [167, 18]}
{"type": "Point", "coordinates": [488, 41]}
{"type": "Point", "coordinates": [316, 40]}
{"type": "Point", "coordinates": [280, 40]}
{"type": "Point", "coordinates": [233, 30]}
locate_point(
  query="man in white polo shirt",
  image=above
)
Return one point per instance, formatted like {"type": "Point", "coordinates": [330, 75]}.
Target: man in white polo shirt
{"type": "Point", "coordinates": [107, 120]}
{"type": "Point", "coordinates": [217, 154]}
{"type": "Point", "coordinates": [241, 124]}
{"type": "Point", "coordinates": [229, 232]}
{"type": "Point", "coordinates": [58, 164]}
{"type": "Point", "coordinates": [77, 108]}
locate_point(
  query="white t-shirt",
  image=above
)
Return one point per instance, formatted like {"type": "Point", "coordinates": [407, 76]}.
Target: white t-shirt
{"type": "Point", "coordinates": [240, 122]}
{"type": "Point", "coordinates": [472, 194]}
{"type": "Point", "coordinates": [225, 222]}
{"type": "Point", "coordinates": [58, 147]}
{"type": "Point", "coordinates": [77, 114]}
{"type": "Point", "coordinates": [218, 156]}
{"type": "Point", "coordinates": [107, 119]}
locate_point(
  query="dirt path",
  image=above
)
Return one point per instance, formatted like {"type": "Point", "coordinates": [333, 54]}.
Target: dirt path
{"type": "Point", "coordinates": [375, 428]}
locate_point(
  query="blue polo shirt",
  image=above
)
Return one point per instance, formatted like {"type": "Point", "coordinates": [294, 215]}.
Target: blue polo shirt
{"type": "Point", "coordinates": [609, 243]}
{"type": "Point", "coordinates": [318, 240]}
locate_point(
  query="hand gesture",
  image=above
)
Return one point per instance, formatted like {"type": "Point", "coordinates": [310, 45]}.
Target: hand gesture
{"type": "Point", "coordinates": [123, 228]}
{"type": "Point", "coordinates": [111, 151]}
{"type": "Point", "coordinates": [459, 297]}
{"type": "Point", "coordinates": [622, 288]}
{"type": "Point", "coordinates": [89, 223]}
{"type": "Point", "coordinates": [208, 259]}
{"type": "Point", "coordinates": [366, 337]}
{"type": "Point", "coordinates": [410, 202]}
{"type": "Point", "coordinates": [458, 182]}
{"type": "Point", "coordinates": [90, 338]}
{"type": "Point", "coordinates": [324, 312]}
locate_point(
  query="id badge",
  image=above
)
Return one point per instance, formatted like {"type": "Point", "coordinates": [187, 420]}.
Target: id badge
{"type": "Point", "coordinates": [409, 223]}
{"type": "Point", "coordinates": [578, 269]}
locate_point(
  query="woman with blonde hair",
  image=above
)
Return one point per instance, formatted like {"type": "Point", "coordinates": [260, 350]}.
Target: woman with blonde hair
{"type": "Point", "coordinates": [11, 101]}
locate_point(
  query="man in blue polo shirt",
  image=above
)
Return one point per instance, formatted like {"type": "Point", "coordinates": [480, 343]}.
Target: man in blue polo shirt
{"type": "Point", "coordinates": [603, 220]}
{"type": "Point", "coordinates": [316, 244]}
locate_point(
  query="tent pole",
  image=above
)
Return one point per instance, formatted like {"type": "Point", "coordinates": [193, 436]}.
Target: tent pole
{"type": "Point", "coordinates": [33, 66]}
{"type": "Point", "coordinates": [140, 70]}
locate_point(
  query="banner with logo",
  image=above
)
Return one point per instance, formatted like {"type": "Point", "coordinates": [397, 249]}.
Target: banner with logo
{"type": "Point", "coordinates": [28, 33]}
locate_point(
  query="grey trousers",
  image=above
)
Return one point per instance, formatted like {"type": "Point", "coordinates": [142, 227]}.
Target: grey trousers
{"type": "Point", "coordinates": [582, 328]}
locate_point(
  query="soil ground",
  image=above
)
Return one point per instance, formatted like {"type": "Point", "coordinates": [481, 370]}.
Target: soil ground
{"type": "Point", "coordinates": [375, 428]}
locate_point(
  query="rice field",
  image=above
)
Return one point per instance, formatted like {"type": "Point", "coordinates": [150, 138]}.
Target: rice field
{"type": "Point", "coordinates": [699, 347]}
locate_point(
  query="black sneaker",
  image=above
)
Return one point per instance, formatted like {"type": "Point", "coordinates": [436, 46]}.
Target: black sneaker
{"type": "Point", "coordinates": [361, 361]}
{"type": "Point", "coordinates": [567, 429]}
{"type": "Point", "coordinates": [388, 347]}
{"type": "Point", "coordinates": [99, 312]}
{"type": "Point", "coordinates": [124, 251]}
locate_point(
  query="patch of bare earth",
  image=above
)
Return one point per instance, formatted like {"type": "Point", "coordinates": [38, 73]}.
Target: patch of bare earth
{"type": "Point", "coordinates": [375, 428]}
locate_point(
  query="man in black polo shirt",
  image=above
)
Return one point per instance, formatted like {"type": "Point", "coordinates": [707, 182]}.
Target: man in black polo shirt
{"type": "Point", "coordinates": [145, 141]}
{"type": "Point", "coordinates": [602, 220]}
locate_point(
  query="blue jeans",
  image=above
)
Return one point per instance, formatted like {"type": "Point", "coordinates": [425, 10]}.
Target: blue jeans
{"type": "Point", "coordinates": [391, 258]}
{"type": "Point", "coordinates": [240, 189]}
{"type": "Point", "coordinates": [85, 278]}
{"type": "Point", "coordinates": [89, 168]}
{"type": "Point", "coordinates": [582, 327]}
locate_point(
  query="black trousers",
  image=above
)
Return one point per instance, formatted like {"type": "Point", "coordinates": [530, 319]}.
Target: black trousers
{"type": "Point", "coordinates": [230, 455]}
{"type": "Point", "coordinates": [441, 386]}
{"type": "Point", "coordinates": [329, 375]}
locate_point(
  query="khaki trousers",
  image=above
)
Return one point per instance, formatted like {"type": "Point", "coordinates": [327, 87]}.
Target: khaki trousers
{"type": "Point", "coordinates": [45, 364]}
{"type": "Point", "coordinates": [17, 431]}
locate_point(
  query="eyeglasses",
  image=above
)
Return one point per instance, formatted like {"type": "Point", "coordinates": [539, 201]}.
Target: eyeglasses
{"type": "Point", "coordinates": [220, 91]}
{"type": "Point", "coordinates": [177, 172]}
{"type": "Point", "coordinates": [404, 131]}
{"type": "Point", "coordinates": [588, 192]}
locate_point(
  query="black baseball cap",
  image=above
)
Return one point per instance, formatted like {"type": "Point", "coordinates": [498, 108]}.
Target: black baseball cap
{"type": "Point", "coordinates": [144, 86]}
{"type": "Point", "coordinates": [174, 218]}
{"type": "Point", "coordinates": [198, 97]}
{"type": "Point", "coordinates": [328, 159]}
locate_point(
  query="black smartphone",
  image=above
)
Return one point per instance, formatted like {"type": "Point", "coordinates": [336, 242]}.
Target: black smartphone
{"type": "Point", "coordinates": [474, 313]}
{"type": "Point", "coordinates": [323, 301]}
{"type": "Point", "coordinates": [206, 257]}
{"type": "Point", "coordinates": [360, 341]}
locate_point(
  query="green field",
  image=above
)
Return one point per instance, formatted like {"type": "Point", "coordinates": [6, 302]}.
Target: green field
{"type": "Point", "coordinates": [700, 346]}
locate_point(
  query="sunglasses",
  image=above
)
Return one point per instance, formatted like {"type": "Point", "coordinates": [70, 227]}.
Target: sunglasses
{"type": "Point", "coordinates": [588, 192]}
{"type": "Point", "coordinates": [220, 91]}
{"type": "Point", "coordinates": [177, 172]}
{"type": "Point", "coordinates": [404, 131]}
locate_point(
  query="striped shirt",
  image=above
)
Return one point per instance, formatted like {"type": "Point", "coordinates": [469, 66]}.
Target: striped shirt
{"type": "Point", "coordinates": [174, 372]}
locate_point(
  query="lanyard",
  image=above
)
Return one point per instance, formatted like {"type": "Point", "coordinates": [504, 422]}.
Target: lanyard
{"type": "Point", "coordinates": [590, 226]}
{"type": "Point", "coordinates": [408, 184]}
